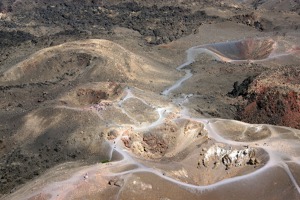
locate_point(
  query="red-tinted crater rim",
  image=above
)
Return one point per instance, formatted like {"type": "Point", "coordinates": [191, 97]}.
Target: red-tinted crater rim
{"type": "Point", "coordinates": [248, 49]}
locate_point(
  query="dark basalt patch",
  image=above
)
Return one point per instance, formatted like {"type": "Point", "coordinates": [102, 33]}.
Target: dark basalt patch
{"type": "Point", "coordinates": [254, 20]}
{"type": "Point", "coordinates": [157, 24]}
{"type": "Point", "coordinates": [13, 38]}
{"type": "Point", "coordinates": [241, 89]}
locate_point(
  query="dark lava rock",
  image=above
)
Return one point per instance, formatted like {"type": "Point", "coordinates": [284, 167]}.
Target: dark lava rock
{"type": "Point", "coordinates": [241, 89]}
{"type": "Point", "coordinates": [164, 24]}
{"type": "Point", "coordinates": [116, 182]}
{"type": "Point", "coordinates": [13, 38]}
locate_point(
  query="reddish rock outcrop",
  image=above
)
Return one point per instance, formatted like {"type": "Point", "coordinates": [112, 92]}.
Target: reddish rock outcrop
{"type": "Point", "coordinates": [274, 98]}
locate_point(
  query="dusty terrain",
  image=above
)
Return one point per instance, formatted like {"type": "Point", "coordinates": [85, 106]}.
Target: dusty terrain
{"type": "Point", "coordinates": [149, 100]}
